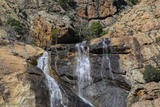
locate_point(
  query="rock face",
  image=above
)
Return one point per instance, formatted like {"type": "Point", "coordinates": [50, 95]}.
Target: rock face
{"type": "Point", "coordinates": [40, 19]}
{"type": "Point", "coordinates": [21, 84]}
{"type": "Point", "coordinates": [147, 95]}
{"type": "Point", "coordinates": [43, 26]}
{"type": "Point", "coordinates": [103, 92]}
{"type": "Point", "coordinates": [133, 40]}
{"type": "Point", "coordinates": [92, 9]}
{"type": "Point", "coordinates": [132, 44]}
{"type": "Point", "coordinates": [134, 37]}
{"type": "Point", "coordinates": [41, 31]}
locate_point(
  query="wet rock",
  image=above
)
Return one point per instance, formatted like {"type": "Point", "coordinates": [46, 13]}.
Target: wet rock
{"type": "Point", "coordinates": [64, 63]}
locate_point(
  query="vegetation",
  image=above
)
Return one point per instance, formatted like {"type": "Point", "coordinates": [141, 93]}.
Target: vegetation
{"type": "Point", "coordinates": [158, 40]}
{"type": "Point", "coordinates": [93, 31]}
{"type": "Point", "coordinates": [62, 3]}
{"type": "Point", "coordinates": [96, 28]}
{"type": "Point", "coordinates": [131, 2]}
{"type": "Point", "coordinates": [66, 3]}
{"type": "Point", "coordinates": [151, 74]}
{"type": "Point", "coordinates": [33, 61]}
{"type": "Point", "coordinates": [54, 32]}
{"type": "Point", "coordinates": [16, 25]}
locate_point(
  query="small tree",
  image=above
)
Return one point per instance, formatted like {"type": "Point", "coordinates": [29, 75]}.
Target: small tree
{"type": "Point", "coordinates": [96, 28]}
{"type": "Point", "coordinates": [55, 33]}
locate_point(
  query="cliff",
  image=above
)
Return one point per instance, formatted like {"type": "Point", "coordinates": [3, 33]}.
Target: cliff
{"type": "Point", "coordinates": [130, 29]}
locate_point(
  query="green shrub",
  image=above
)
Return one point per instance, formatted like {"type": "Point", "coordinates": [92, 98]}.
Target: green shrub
{"type": "Point", "coordinates": [16, 25]}
{"type": "Point", "coordinates": [32, 60]}
{"type": "Point", "coordinates": [131, 2]}
{"type": "Point", "coordinates": [151, 74]}
{"type": "Point", "coordinates": [54, 32]}
{"type": "Point", "coordinates": [66, 4]}
{"type": "Point", "coordinates": [63, 4]}
{"type": "Point", "coordinates": [103, 33]}
{"type": "Point", "coordinates": [96, 28]}
{"type": "Point", "coordinates": [158, 40]}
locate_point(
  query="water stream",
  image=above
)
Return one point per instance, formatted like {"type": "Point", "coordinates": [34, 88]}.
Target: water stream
{"type": "Point", "coordinates": [109, 75]}
{"type": "Point", "coordinates": [107, 59]}
{"type": "Point", "coordinates": [54, 90]}
{"type": "Point", "coordinates": [83, 69]}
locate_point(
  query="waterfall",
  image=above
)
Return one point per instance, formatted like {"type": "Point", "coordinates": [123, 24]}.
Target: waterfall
{"type": "Point", "coordinates": [109, 74]}
{"type": "Point", "coordinates": [83, 69]}
{"type": "Point", "coordinates": [106, 58]}
{"type": "Point", "coordinates": [54, 90]}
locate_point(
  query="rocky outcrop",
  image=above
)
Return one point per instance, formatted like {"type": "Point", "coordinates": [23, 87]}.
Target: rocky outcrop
{"type": "Point", "coordinates": [134, 37]}
{"type": "Point", "coordinates": [43, 26]}
{"type": "Point", "coordinates": [147, 95]}
{"type": "Point", "coordinates": [39, 19]}
{"type": "Point", "coordinates": [103, 92]}
{"type": "Point", "coordinates": [91, 9]}
{"type": "Point", "coordinates": [41, 32]}
{"type": "Point", "coordinates": [21, 84]}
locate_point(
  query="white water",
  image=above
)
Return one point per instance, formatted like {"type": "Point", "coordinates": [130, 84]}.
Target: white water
{"type": "Point", "coordinates": [54, 90]}
{"type": "Point", "coordinates": [83, 69]}
{"type": "Point", "coordinates": [106, 58]}
{"type": "Point", "coordinates": [110, 73]}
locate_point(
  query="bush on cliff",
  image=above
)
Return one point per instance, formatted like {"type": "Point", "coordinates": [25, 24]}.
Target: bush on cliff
{"type": "Point", "coordinates": [89, 32]}
{"type": "Point", "coordinates": [16, 25]}
{"type": "Point", "coordinates": [131, 2]}
{"type": "Point", "coordinates": [65, 4]}
{"type": "Point", "coordinates": [151, 74]}
{"type": "Point", "coordinates": [96, 28]}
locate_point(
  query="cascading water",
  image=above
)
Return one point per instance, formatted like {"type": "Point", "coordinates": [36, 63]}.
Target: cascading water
{"type": "Point", "coordinates": [83, 69]}
{"type": "Point", "coordinates": [54, 90]}
{"type": "Point", "coordinates": [109, 75]}
{"type": "Point", "coordinates": [106, 58]}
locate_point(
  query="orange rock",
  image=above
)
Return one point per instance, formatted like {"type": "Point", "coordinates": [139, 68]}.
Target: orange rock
{"type": "Point", "coordinates": [95, 9]}
{"type": "Point", "coordinates": [41, 31]}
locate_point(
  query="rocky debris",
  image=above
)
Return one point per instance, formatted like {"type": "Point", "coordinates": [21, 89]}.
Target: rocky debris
{"type": "Point", "coordinates": [21, 84]}
{"type": "Point", "coordinates": [147, 95]}
{"type": "Point", "coordinates": [95, 9]}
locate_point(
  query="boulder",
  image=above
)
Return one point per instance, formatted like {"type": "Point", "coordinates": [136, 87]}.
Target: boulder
{"type": "Point", "coordinates": [21, 84]}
